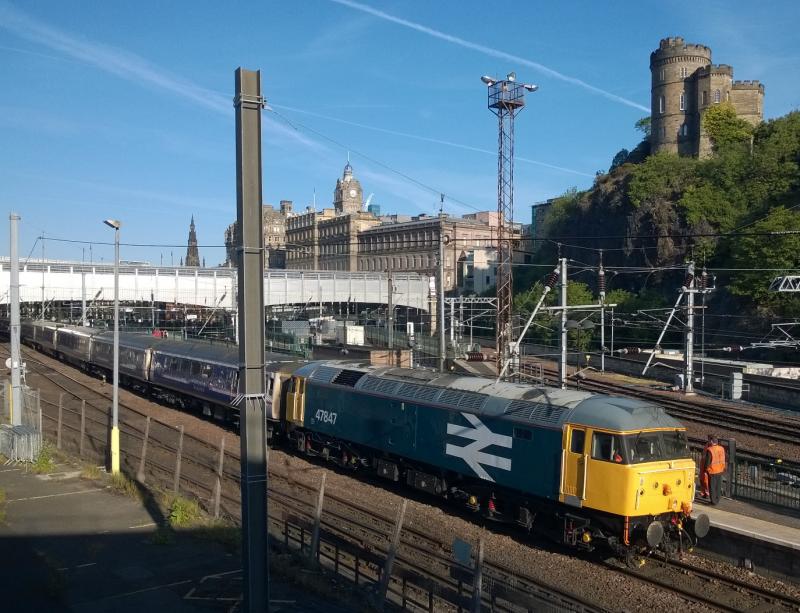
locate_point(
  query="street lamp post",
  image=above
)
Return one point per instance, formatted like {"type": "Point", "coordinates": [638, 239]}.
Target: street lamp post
{"type": "Point", "coordinates": [113, 223]}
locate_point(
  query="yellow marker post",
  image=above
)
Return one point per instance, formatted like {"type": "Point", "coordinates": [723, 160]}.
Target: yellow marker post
{"type": "Point", "coordinates": [114, 450]}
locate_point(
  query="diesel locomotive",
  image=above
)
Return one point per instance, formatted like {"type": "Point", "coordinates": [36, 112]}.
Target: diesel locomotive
{"type": "Point", "coordinates": [589, 468]}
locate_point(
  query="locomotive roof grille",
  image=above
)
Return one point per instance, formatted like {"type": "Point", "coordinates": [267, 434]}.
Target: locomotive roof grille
{"type": "Point", "coordinates": [536, 412]}
{"type": "Point", "coordinates": [325, 374]}
{"type": "Point", "coordinates": [348, 377]}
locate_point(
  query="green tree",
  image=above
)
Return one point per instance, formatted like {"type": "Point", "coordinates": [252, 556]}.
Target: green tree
{"type": "Point", "coordinates": [724, 127]}
{"type": "Point", "coordinates": [705, 202]}
{"type": "Point", "coordinates": [776, 250]}
{"type": "Point", "coordinates": [546, 323]}
{"type": "Point", "coordinates": [662, 176]}
{"type": "Point", "coordinates": [644, 125]}
{"type": "Point", "coordinates": [773, 175]}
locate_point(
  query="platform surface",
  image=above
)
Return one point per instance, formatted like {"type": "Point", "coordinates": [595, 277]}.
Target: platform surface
{"type": "Point", "coordinates": [71, 545]}
{"type": "Point", "coordinates": [755, 521]}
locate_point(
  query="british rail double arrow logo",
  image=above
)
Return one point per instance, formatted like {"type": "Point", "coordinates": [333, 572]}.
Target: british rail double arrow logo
{"type": "Point", "coordinates": [473, 453]}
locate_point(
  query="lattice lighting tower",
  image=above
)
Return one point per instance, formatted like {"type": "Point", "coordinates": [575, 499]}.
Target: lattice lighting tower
{"type": "Point", "coordinates": [506, 99]}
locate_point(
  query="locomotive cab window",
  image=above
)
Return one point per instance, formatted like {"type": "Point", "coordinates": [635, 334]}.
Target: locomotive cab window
{"type": "Point", "coordinates": [577, 441]}
{"type": "Point", "coordinates": [608, 447]}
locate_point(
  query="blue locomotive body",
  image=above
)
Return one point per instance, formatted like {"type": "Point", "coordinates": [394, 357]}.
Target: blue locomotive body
{"type": "Point", "coordinates": [453, 427]}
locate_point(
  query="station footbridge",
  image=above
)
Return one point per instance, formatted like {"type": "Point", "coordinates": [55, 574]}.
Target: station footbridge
{"type": "Point", "coordinates": [58, 281]}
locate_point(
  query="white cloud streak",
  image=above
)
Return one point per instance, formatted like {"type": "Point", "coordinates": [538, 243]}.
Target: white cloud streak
{"type": "Point", "coordinates": [130, 67]}
{"type": "Point", "coordinates": [491, 52]}
{"type": "Point", "coordinates": [427, 139]}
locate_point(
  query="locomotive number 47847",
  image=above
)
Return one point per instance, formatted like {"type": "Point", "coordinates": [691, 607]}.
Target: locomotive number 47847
{"type": "Point", "coordinates": [328, 417]}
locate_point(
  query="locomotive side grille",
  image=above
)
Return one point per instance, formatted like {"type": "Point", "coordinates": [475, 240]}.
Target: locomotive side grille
{"type": "Point", "coordinates": [462, 400]}
{"type": "Point", "coordinates": [471, 401]}
{"type": "Point", "coordinates": [325, 374]}
{"type": "Point", "coordinates": [348, 378]}
{"type": "Point", "coordinates": [407, 390]}
{"type": "Point", "coordinates": [537, 412]}
{"type": "Point", "coordinates": [426, 393]}
{"type": "Point", "coordinates": [381, 386]}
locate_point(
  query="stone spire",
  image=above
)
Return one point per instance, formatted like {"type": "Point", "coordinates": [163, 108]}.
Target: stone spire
{"type": "Point", "coordinates": [192, 255]}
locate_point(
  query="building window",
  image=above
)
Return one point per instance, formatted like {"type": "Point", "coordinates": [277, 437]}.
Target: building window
{"type": "Point", "coordinates": [663, 131]}
{"type": "Point", "coordinates": [684, 72]}
{"type": "Point", "coordinates": [662, 103]}
{"type": "Point", "coordinates": [683, 101]}
{"type": "Point", "coordinates": [662, 75]}
{"type": "Point", "coordinates": [705, 97]}
{"type": "Point", "coordinates": [717, 97]}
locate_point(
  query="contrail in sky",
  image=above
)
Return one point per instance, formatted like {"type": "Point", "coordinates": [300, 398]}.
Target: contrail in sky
{"type": "Point", "coordinates": [426, 139]}
{"type": "Point", "coordinates": [490, 51]}
{"type": "Point", "coordinates": [125, 65]}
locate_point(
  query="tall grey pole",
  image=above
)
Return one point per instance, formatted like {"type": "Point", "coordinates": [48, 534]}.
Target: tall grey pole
{"type": "Point", "coordinates": [612, 332]}
{"type": "Point", "coordinates": [562, 370]}
{"type": "Point", "coordinates": [250, 273]}
{"type": "Point", "coordinates": [83, 299]}
{"type": "Point", "coordinates": [442, 346]}
{"type": "Point", "coordinates": [688, 386]}
{"type": "Point", "coordinates": [16, 383]}
{"type": "Point", "coordinates": [603, 339]}
{"type": "Point", "coordinates": [114, 459]}
{"type": "Point", "coordinates": [43, 271]}
{"type": "Point", "coordinates": [390, 311]}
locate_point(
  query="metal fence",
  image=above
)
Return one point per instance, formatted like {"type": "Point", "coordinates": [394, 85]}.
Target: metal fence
{"type": "Point", "coordinates": [352, 541]}
{"type": "Point", "coordinates": [755, 479]}
{"type": "Point", "coordinates": [21, 442]}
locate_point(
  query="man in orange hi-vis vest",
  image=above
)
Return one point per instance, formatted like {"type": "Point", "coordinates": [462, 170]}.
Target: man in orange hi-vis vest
{"type": "Point", "coordinates": [712, 467]}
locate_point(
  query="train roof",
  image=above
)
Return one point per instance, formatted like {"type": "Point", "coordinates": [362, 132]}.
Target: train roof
{"type": "Point", "coordinates": [624, 414]}
{"type": "Point", "coordinates": [543, 407]}
{"type": "Point", "coordinates": [80, 330]}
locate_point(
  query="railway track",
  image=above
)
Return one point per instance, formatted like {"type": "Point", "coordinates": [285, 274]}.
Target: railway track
{"type": "Point", "coordinates": [764, 426]}
{"type": "Point", "coordinates": [709, 588]}
{"type": "Point", "coordinates": [423, 553]}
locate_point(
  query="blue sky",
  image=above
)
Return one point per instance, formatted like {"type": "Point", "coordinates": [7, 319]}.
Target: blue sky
{"type": "Point", "coordinates": [112, 109]}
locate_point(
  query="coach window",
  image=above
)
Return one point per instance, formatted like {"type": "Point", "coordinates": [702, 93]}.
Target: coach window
{"type": "Point", "coordinates": [577, 442]}
{"type": "Point", "coordinates": [607, 447]}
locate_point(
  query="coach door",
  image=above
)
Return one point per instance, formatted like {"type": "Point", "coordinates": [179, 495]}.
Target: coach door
{"type": "Point", "coordinates": [573, 466]}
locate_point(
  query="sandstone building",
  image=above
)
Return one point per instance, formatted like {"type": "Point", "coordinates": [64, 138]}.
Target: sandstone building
{"type": "Point", "coordinates": [273, 227]}
{"type": "Point", "coordinates": [684, 85]}
{"type": "Point", "coordinates": [413, 246]}
{"type": "Point", "coordinates": [347, 238]}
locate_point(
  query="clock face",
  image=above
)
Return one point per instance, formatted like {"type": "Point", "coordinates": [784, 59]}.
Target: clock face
{"type": "Point", "coordinates": [353, 193]}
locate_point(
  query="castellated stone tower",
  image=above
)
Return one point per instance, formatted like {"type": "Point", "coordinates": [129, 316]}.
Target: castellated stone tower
{"type": "Point", "coordinates": [684, 84]}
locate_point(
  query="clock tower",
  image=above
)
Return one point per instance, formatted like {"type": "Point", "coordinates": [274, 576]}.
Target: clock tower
{"type": "Point", "coordinates": [347, 197]}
